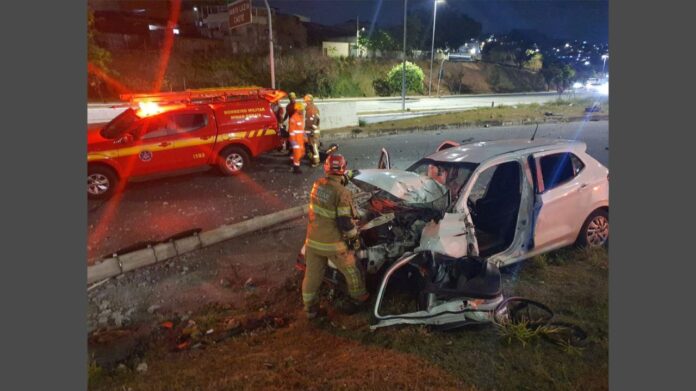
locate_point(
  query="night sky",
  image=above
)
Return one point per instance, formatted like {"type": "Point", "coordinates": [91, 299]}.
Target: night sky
{"type": "Point", "coordinates": [566, 19]}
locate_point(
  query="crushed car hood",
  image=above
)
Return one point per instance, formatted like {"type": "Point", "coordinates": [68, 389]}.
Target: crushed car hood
{"type": "Point", "coordinates": [412, 189]}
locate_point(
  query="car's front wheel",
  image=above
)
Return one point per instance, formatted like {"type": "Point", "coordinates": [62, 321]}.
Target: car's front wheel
{"type": "Point", "coordinates": [101, 182]}
{"type": "Point", "coordinates": [595, 230]}
{"type": "Point", "coordinates": [233, 160]}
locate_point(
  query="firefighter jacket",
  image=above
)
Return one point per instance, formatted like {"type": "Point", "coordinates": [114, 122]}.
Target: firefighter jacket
{"type": "Point", "coordinates": [312, 117]}
{"type": "Point", "coordinates": [330, 216]}
{"type": "Point", "coordinates": [289, 110]}
{"type": "Point", "coordinates": [296, 126]}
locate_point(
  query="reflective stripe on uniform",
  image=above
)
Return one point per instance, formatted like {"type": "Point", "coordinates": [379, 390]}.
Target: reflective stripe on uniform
{"type": "Point", "coordinates": [322, 211]}
{"type": "Point", "coordinates": [344, 211]}
{"type": "Point", "coordinates": [332, 247]}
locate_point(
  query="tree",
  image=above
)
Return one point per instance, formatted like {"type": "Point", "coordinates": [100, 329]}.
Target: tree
{"type": "Point", "coordinates": [560, 75]}
{"type": "Point", "coordinates": [97, 56]}
{"type": "Point", "coordinates": [535, 62]}
{"type": "Point", "coordinates": [380, 40]}
{"type": "Point", "coordinates": [454, 29]}
{"type": "Point", "coordinates": [414, 78]}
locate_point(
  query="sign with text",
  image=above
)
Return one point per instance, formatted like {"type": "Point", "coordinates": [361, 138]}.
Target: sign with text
{"type": "Point", "coordinates": [240, 13]}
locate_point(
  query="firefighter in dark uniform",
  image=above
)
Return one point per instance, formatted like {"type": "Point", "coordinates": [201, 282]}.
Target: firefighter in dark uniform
{"type": "Point", "coordinates": [289, 111]}
{"type": "Point", "coordinates": [312, 129]}
{"type": "Point", "coordinates": [331, 236]}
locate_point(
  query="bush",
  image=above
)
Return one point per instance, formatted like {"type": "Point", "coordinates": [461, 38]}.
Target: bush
{"type": "Point", "coordinates": [414, 78]}
{"type": "Point", "coordinates": [381, 87]}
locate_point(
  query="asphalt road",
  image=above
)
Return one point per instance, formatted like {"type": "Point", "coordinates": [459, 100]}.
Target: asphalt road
{"type": "Point", "coordinates": [158, 208]}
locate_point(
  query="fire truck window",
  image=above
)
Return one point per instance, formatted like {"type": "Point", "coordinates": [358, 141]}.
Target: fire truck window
{"type": "Point", "coordinates": [157, 127]}
{"type": "Point", "coordinates": [189, 122]}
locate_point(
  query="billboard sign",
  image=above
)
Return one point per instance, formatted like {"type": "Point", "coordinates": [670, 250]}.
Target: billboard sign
{"type": "Point", "coordinates": [240, 13]}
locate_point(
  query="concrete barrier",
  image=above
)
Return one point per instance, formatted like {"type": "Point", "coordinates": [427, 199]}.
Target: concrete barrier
{"type": "Point", "coordinates": [333, 114]}
{"type": "Point", "coordinates": [338, 114]}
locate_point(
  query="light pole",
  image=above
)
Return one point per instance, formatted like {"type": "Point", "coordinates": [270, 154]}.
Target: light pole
{"type": "Point", "coordinates": [604, 61]}
{"type": "Point", "coordinates": [270, 44]}
{"type": "Point", "coordinates": [432, 46]}
{"type": "Point", "coordinates": [403, 68]}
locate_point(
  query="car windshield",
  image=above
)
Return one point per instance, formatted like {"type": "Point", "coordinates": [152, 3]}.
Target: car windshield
{"type": "Point", "coordinates": [120, 124]}
{"type": "Point", "coordinates": [453, 175]}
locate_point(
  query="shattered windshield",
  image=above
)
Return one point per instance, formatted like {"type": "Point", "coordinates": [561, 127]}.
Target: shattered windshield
{"type": "Point", "coordinates": [120, 124]}
{"type": "Point", "coordinates": [452, 175]}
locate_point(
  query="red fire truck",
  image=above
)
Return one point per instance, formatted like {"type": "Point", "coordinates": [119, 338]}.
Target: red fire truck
{"type": "Point", "coordinates": [173, 131]}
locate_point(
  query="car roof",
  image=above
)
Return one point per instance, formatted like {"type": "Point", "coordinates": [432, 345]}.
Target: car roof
{"type": "Point", "coordinates": [482, 151]}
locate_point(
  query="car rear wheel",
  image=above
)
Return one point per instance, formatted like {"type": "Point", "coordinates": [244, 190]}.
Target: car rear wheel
{"type": "Point", "coordinates": [101, 182]}
{"type": "Point", "coordinates": [595, 230]}
{"type": "Point", "coordinates": [233, 160]}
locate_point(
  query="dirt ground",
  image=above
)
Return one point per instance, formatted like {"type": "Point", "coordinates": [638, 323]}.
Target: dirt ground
{"type": "Point", "coordinates": [228, 317]}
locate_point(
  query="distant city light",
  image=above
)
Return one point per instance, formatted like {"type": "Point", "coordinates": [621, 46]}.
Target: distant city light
{"type": "Point", "coordinates": [195, 9]}
{"type": "Point", "coordinates": [587, 63]}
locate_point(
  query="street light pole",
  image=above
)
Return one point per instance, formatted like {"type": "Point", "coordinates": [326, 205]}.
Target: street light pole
{"type": "Point", "coordinates": [432, 47]}
{"type": "Point", "coordinates": [403, 68]}
{"type": "Point", "coordinates": [270, 44]}
{"type": "Point", "coordinates": [604, 61]}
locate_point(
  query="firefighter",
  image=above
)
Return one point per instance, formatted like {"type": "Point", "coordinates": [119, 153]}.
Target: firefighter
{"type": "Point", "coordinates": [331, 236]}
{"type": "Point", "coordinates": [312, 128]}
{"type": "Point", "coordinates": [296, 126]}
{"type": "Point", "coordinates": [289, 111]}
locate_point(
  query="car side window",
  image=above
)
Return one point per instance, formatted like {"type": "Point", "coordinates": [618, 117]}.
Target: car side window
{"type": "Point", "coordinates": [480, 188]}
{"type": "Point", "coordinates": [559, 168]}
{"type": "Point", "coordinates": [172, 124]}
{"type": "Point", "coordinates": [578, 165]}
{"type": "Point", "coordinates": [189, 122]}
{"type": "Point", "coordinates": [158, 127]}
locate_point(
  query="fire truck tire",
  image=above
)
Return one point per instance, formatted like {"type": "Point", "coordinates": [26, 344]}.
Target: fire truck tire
{"type": "Point", "coordinates": [102, 182]}
{"type": "Point", "coordinates": [233, 160]}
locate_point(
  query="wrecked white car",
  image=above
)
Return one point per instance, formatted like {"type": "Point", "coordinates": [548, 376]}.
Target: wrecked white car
{"type": "Point", "coordinates": [451, 219]}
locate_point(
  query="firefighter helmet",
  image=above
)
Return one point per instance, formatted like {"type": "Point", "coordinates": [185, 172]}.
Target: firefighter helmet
{"type": "Point", "coordinates": [299, 106]}
{"type": "Point", "coordinates": [292, 95]}
{"type": "Point", "coordinates": [335, 164]}
{"type": "Point", "coordinates": [308, 98]}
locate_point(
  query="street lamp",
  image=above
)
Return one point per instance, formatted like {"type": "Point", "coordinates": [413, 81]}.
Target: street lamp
{"type": "Point", "coordinates": [403, 66]}
{"type": "Point", "coordinates": [604, 61]}
{"type": "Point", "coordinates": [432, 45]}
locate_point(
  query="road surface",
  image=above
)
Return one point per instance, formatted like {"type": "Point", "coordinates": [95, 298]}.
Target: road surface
{"type": "Point", "coordinates": [156, 209]}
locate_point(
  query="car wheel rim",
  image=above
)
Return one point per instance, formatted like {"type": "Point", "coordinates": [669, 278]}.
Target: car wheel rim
{"type": "Point", "coordinates": [97, 184]}
{"type": "Point", "coordinates": [234, 162]}
{"type": "Point", "coordinates": [598, 231]}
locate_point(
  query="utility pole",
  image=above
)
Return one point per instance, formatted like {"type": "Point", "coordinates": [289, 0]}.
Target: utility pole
{"type": "Point", "coordinates": [270, 44]}
{"type": "Point", "coordinates": [403, 69]}
{"type": "Point", "coordinates": [432, 47]}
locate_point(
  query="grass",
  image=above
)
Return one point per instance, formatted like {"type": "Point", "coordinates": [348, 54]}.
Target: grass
{"type": "Point", "coordinates": [342, 353]}
{"type": "Point", "coordinates": [528, 113]}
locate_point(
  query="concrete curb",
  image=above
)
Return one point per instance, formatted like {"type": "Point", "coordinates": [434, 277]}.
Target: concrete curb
{"type": "Point", "coordinates": [119, 264]}
{"type": "Point", "coordinates": [349, 134]}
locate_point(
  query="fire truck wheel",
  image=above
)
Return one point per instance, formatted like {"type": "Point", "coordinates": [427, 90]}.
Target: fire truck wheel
{"type": "Point", "coordinates": [101, 182]}
{"type": "Point", "coordinates": [233, 160]}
